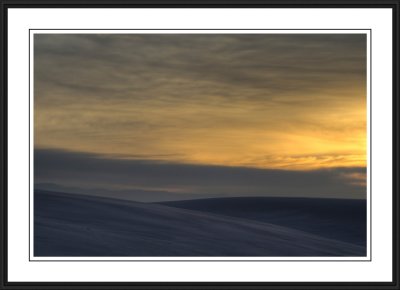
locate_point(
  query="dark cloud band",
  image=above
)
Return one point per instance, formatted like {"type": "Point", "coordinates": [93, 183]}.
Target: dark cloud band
{"type": "Point", "coordinates": [90, 171]}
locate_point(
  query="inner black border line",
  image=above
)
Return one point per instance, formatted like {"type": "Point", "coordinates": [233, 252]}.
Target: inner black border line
{"type": "Point", "coordinates": [29, 142]}
{"type": "Point", "coordinates": [187, 29]}
{"type": "Point", "coordinates": [370, 147]}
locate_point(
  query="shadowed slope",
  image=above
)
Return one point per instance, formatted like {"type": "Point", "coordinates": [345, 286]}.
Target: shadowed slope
{"type": "Point", "coordinates": [340, 219]}
{"type": "Point", "coordinates": [73, 225]}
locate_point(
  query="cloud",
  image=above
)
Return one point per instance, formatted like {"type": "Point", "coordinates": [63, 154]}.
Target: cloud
{"type": "Point", "coordinates": [86, 170]}
{"type": "Point", "coordinates": [269, 65]}
{"type": "Point", "coordinates": [220, 99]}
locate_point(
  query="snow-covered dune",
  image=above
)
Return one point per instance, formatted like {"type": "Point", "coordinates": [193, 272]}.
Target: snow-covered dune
{"type": "Point", "coordinates": [338, 219]}
{"type": "Point", "coordinates": [78, 225]}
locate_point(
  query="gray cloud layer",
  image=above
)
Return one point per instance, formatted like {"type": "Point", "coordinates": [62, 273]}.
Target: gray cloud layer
{"type": "Point", "coordinates": [141, 66]}
{"type": "Point", "coordinates": [83, 170]}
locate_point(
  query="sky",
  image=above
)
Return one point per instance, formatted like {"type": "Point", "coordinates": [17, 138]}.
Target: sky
{"type": "Point", "coordinates": [201, 114]}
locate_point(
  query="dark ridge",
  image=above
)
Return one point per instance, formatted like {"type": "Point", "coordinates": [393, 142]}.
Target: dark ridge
{"type": "Point", "coordinates": [340, 219]}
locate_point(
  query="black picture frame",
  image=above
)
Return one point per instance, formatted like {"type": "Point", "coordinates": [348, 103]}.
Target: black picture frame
{"type": "Point", "coordinates": [394, 5]}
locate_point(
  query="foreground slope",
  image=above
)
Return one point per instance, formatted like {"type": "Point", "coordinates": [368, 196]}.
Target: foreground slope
{"type": "Point", "coordinates": [77, 225]}
{"type": "Point", "coordinates": [339, 219]}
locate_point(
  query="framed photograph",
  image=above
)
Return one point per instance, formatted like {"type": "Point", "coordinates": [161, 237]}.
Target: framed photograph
{"type": "Point", "coordinates": [189, 145]}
